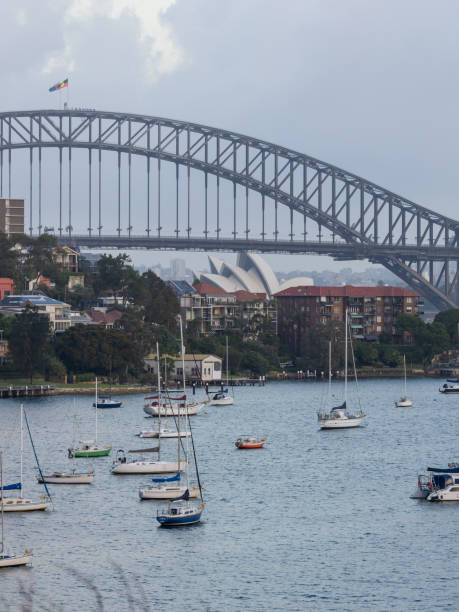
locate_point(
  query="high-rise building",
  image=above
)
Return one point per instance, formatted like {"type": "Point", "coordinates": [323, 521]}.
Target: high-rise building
{"type": "Point", "coordinates": [177, 269]}
{"type": "Point", "coordinates": [11, 216]}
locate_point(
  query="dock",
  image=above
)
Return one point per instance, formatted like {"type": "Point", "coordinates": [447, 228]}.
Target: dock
{"type": "Point", "coordinates": [26, 390]}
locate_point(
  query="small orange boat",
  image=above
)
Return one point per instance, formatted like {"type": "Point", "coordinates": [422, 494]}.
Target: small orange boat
{"type": "Point", "coordinates": [250, 442]}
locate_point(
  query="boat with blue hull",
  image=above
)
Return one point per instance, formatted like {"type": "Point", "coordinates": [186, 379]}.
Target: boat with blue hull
{"type": "Point", "coordinates": [107, 402]}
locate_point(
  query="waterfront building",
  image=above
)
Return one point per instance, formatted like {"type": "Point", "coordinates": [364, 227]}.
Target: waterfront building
{"type": "Point", "coordinates": [57, 312]}
{"type": "Point", "coordinates": [207, 367]}
{"type": "Point", "coordinates": [373, 310]}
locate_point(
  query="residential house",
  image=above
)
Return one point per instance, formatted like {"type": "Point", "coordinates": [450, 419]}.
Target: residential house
{"type": "Point", "coordinates": [197, 367]}
{"type": "Point", "coordinates": [6, 287]}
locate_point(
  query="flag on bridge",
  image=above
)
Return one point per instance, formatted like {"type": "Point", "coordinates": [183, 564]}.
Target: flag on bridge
{"type": "Point", "coordinates": [60, 85]}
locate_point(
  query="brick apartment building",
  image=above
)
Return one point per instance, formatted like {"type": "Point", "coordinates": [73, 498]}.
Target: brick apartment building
{"type": "Point", "coordinates": [372, 310]}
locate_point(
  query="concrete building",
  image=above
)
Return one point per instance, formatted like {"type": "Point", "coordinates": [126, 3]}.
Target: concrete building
{"type": "Point", "coordinates": [207, 367]}
{"type": "Point", "coordinates": [373, 310]}
{"type": "Point", "coordinates": [11, 216]}
{"type": "Point", "coordinates": [177, 269]}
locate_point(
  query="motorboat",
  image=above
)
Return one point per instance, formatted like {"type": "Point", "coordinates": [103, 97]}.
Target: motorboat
{"type": "Point", "coordinates": [404, 401]}
{"type": "Point", "coordinates": [222, 398]}
{"type": "Point", "coordinates": [249, 442]}
{"type": "Point", "coordinates": [123, 465]}
{"type": "Point", "coordinates": [180, 512]}
{"type": "Point", "coordinates": [9, 560]}
{"type": "Point", "coordinates": [453, 388]}
{"type": "Point", "coordinates": [107, 402]}
{"type": "Point", "coordinates": [339, 417]}
{"type": "Point", "coordinates": [21, 503]}
{"type": "Point", "coordinates": [71, 477]}
{"type": "Point", "coordinates": [438, 484]}
{"type": "Point", "coordinates": [167, 489]}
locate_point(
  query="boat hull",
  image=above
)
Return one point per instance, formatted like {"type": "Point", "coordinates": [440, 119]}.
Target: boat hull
{"type": "Point", "coordinates": [164, 434]}
{"type": "Point", "coordinates": [166, 411]}
{"type": "Point", "coordinates": [13, 561]}
{"type": "Point", "coordinates": [148, 467]}
{"type": "Point", "coordinates": [225, 401]}
{"type": "Point", "coordinates": [441, 495]}
{"type": "Point", "coordinates": [166, 493]}
{"type": "Point", "coordinates": [341, 423]}
{"type": "Point", "coordinates": [18, 504]}
{"type": "Point", "coordinates": [405, 403]}
{"type": "Point", "coordinates": [249, 446]}
{"type": "Point", "coordinates": [107, 404]}
{"type": "Point", "coordinates": [67, 479]}
{"type": "Point", "coordinates": [102, 452]}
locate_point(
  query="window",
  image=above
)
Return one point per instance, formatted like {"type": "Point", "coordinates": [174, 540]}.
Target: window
{"type": "Point", "coordinates": [378, 328]}
{"type": "Point", "coordinates": [409, 300]}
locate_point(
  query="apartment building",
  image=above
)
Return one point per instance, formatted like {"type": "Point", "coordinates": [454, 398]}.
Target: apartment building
{"type": "Point", "coordinates": [373, 310]}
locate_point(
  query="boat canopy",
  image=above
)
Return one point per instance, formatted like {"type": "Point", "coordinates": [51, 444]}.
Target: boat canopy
{"type": "Point", "coordinates": [16, 485]}
{"type": "Point", "coordinates": [342, 407]}
{"type": "Point", "coordinates": [153, 449]}
{"type": "Point", "coordinates": [171, 479]}
{"type": "Point", "coordinates": [443, 480]}
{"type": "Point", "coordinates": [444, 470]}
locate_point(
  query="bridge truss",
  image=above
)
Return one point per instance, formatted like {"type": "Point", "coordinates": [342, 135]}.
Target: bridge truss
{"type": "Point", "coordinates": [202, 188]}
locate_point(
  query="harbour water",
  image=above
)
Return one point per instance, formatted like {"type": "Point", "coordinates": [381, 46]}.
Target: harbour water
{"type": "Point", "coordinates": [317, 520]}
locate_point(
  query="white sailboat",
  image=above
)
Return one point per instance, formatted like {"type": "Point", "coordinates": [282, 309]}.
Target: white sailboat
{"type": "Point", "coordinates": [404, 401]}
{"type": "Point", "coordinates": [170, 488]}
{"type": "Point", "coordinates": [21, 503]}
{"type": "Point", "coordinates": [68, 477]}
{"type": "Point", "coordinates": [9, 560]}
{"type": "Point", "coordinates": [91, 448]}
{"type": "Point", "coordinates": [339, 417]}
{"type": "Point", "coordinates": [223, 398]}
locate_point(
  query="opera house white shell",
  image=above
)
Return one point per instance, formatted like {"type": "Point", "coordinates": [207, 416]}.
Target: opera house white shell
{"type": "Point", "coordinates": [251, 273]}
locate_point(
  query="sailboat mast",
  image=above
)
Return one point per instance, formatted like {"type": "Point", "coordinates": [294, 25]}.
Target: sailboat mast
{"type": "Point", "coordinates": [186, 408]}
{"type": "Point", "coordinates": [227, 375]}
{"type": "Point", "coordinates": [404, 369]}
{"type": "Point", "coordinates": [345, 355]}
{"type": "Point", "coordinates": [329, 374]}
{"type": "Point", "coordinates": [1, 488]}
{"type": "Point", "coordinates": [159, 401]}
{"type": "Point", "coordinates": [96, 413]}
{"type": "Point", "coordinates": [22, 448]}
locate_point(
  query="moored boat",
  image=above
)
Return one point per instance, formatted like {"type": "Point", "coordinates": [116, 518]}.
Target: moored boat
{"type": "Point", "coordinates": [8, 560]}
{"type": "Point", "coordinates": [71, 477]}
{"type": "Point", "coordinates": [107, 402]}
{"type": "Point", "coordinates": [454, 388]}
{"type": "Point", "coordinates": [404, 401]}
{"type": "Point", "coordinates": [123, 465]}
{"type": "Point", "coordinates": [222, 397]}
{"type": "Point", "coordinates": [90, 448]}
{"type": "Point", "coordinates": [438, 484]}
{"type": "Point", "coordinates": [249, 442]}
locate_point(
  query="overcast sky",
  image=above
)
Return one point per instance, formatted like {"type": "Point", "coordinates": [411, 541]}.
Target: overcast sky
{"type": "Point", "coordinates": [368, 85]}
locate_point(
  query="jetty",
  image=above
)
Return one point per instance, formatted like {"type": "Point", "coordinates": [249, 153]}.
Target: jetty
{"type": "Point", "coordinates": [26, 390]}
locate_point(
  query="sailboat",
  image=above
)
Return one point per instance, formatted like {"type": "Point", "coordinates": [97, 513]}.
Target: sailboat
{"type": "Point", "coordinates": [21, 503]}
{"type": "Point", "coordinates": [338, 417]}
{"type": "Point", "coordinates": [222, 398]}
{"type": "Point", "coordinates": [404, 401]}
{"type": "Point", "coordinates": [91, 448]}
{"type": "Point", "coordinates": [182, 511]}
{"type": "Point", "coordinates": [106, 401]}
{"type": "Point", "coordinates": [7, 560]}
{"type": "Point", "coordinates": [70, 477]}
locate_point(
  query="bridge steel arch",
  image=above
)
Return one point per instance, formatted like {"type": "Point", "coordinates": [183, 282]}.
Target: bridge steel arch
{"type": "Point", "coordinates": [354, 218]}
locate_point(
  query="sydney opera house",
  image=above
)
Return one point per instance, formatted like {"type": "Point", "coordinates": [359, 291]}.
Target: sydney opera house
{"type": "Point", "coordinates": [251, 273]}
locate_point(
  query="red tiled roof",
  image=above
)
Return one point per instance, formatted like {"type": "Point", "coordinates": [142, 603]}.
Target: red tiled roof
{"type": "Point", "coordinates": [347, 291]}
{"type": "Point", "coordinates": [208, 289]}
{"type": "Point", "coordinates": [246, 296]}
{"type": "Point", "coordinates": [104, 317]}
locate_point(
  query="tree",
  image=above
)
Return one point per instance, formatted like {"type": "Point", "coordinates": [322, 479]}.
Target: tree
{"type": "Point", "coordinates": [430, 338]}
{"type": "Point", "coordinates": [114, 274]}
{"type": "Point", "coordinates": [28, 340]}
{"type": "Point", "coordinates": [366, 353]}
{"type": "Point", "coordinates": [450, 319]}
{"type": "Point", "coordinates": [92, 348]}
{"type": "Point", "coordinates": [158, 302]}
{"type": "Point", "coordinates": [313, 353]}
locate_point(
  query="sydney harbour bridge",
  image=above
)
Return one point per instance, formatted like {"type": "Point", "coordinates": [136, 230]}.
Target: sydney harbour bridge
{"type": "Point", "coordinates": [117, 180]}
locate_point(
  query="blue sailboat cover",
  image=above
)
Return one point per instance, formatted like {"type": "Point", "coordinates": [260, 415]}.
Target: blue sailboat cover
{"type": "Point", "coordinates": [185, 496]}
{"type": "Point", "coordinates": [16, 485]}
{"type": "Point", "coordinates": [170, 479]}
{"type": "Point", "coordinates": [342, 407]}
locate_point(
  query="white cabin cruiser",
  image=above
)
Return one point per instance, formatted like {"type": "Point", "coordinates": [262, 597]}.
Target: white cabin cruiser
{"type": "Point", "coordinates": [438, 484]}
{"type": "Point", "coordinates": [222, 398]}
{"type": "Point", "coordinates": [171, 408]}
{"type": "Point", "coordinates": [453, 388]}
